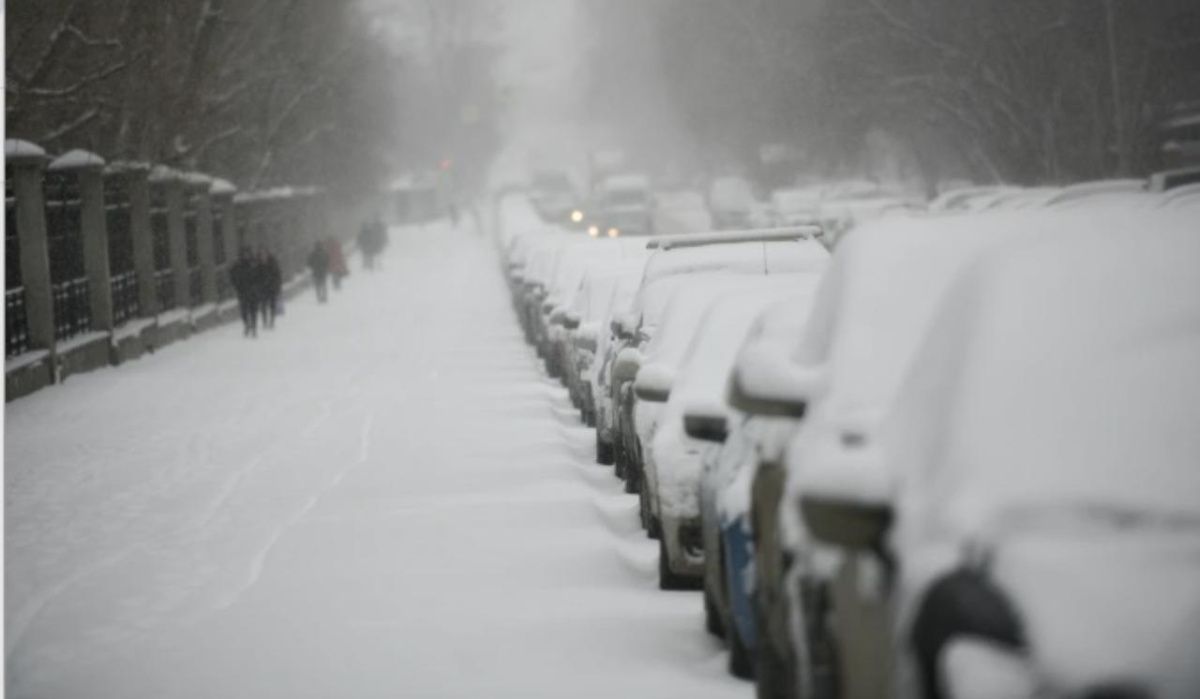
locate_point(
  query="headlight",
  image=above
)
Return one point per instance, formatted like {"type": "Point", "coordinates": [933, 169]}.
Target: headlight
{"type": "Point", "coordinates": [593, 231]}
{"type": "Point", "coordinates": [576, 216]}
{"type": "Point", "coordinates": [614, 232]}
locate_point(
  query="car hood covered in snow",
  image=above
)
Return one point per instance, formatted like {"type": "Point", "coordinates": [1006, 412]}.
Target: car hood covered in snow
{"type": "Point", "coordinates": [1106, 606]}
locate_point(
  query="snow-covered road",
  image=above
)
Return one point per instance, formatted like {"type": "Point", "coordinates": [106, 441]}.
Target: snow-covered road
{"type": "Point", "coordinates": [381, 498]}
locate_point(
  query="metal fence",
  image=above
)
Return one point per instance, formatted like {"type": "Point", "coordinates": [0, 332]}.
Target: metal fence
{"type": "Point", "coordinates": [195, 287]}
{"type": "Point", "coordinates": [16, 322]}
{"type": "Point", "coordinates": [125, 300]}
{"type": "Point", "coordinates": [164, 288]}
{"type": "Point", "coordinates": [64, 237]}
{"type": "Point", "coordinates": [72, 308]}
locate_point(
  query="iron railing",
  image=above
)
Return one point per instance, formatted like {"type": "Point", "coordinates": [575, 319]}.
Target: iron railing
{"type": "Point", "coordinates": [125, 300]}
{"type": "Point", "coordinates": [16, 322]}
{"type": "Point", "coordinates": [72, 309]}
{"type": "Point", "coordinates": [164, 288]}
{"type": "Point", "coordinates": [195, 287]}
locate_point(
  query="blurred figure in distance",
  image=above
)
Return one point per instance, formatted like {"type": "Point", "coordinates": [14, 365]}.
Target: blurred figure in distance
{"type": "Point", "coordinates": [243, 276]}
{"type": "Point", "coordinates": [318, 263]}
{"type": "Point", "coordinates": [270, 280]}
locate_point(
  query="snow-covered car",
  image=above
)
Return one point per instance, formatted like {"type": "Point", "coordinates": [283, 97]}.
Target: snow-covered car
{"type": "Point", "coordinates": [725, 489]}
{"type": "Point", "coordinates": [624, 206]}
{"type": "Point", "coordinates": [604, 285]}
{"type": "Point", "coordinates": [680, 212]}
{"type": "Point", "coordinates": [796, 206]}
{"type": "Point", "coordinates": [1097, 188]}
{"type": "Point", "coordinates": [696, 385]}
{"type": "Point", "coordinates": [661, 360]}
{"type": "Point", "coordinates": [966, 198]}
{"type": "Point", "coordinates": [1025, 519]}
{"type": "Point", "coordinates": [571, 264]}
{"type": "Point", "coordinates": [869, 316]}
{"type": "Point", "coordinates": [730, 200]}
{"type": "Point", "coordinates": [553, 195]}
{"type": "Point", "coordinates": [777, 251]}
{"type": "Point", "coordinates": [1185, 197]}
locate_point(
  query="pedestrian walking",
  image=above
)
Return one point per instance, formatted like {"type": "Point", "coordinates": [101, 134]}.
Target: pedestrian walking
{"type": "Point", "coordinates": [243, 277]}
{"type": "Point", "coordinates": [318, 263]}
{"type": "Point", "coordinates": [372, 240]}
{"type": "Point", "coordinates": [337, 262]}
{"type": "Point", "coordinates": [368, 243]}
{"type": "Point", "coordinates": [270, 280]}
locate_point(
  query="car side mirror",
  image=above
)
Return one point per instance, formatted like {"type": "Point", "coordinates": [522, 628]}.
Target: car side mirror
{"type": "Point", "coordinates": [765, 381]}
{"type": "Point", "coordinates": [626, 365]}
{"type": "Point", "coordinates": [706, 424]}
{"type": "Point", "coordinates": [622, 328]}
{"type": "Point", "coordinates": [653, 383]}
{"type": "Point", "coordinates": [846, 498]}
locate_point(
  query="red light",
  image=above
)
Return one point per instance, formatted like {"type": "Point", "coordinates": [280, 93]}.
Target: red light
{"type": "Point", "coordinates": [446, 164]}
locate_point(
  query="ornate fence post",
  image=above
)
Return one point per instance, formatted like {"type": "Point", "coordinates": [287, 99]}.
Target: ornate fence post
{"type": "Point", "coordinates": [172, 183]}
{"type": "Point", "coordinates": [224, 226]}
{"type": "Point", "coordinates": [200, 187]}
{"type": "Point", "coordinates": [88, 169]}
{"type": "Point", "coordinates": [28, 163]}
{"type": "Point", "coordinates": [136, 182]}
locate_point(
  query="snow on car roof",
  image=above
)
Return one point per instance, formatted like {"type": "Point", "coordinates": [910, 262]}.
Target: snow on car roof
{"type": "Point", "coordinates": [1091, 189]}
{"type": "Point", "coordinates": [691, 300]}
{"type": "Point", "coordinates": [879, 294]}
{"type": "Point", "coordinates": [625, 182]}
{"type": "Point", "coordinates": [755, 259]}
{"type": "Point", "coordinates": [692, 240]}
{"type": "Point", "coordinates": [959, 199]}
{"type": "Point", "coordinates": [1062, 378]}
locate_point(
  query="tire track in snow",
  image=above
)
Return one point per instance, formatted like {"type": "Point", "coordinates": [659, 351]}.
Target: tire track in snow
{"type": "Point", "coordinates": [258, 562]}
{"type": "Point", "coordinates": [17, 625]}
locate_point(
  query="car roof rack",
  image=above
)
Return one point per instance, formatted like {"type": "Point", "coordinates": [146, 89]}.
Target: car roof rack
{"type": "Point", "coordinates": [756, 235]}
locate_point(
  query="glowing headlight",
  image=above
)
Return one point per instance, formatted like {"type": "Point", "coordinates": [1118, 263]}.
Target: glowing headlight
{"type": "Point", "coordinates": [576, 216]}
{"type": "Point", "coordinates": [613, 232]}
{"type": "Point", "coordinates": [593, 231]}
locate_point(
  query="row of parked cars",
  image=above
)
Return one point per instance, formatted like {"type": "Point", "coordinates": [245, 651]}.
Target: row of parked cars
{"type": "Point", "coordinates": [955, 455]}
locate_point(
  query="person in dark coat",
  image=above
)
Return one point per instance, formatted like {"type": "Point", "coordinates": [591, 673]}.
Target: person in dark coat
{"type": "Point", "coordinates": [243, 277]}
{"type": "Point", "coordinates": [337, 261]}
{"type": "Point", "coordinates": [318, 262]}
{"type": "Point", "coordinates": [270, 280]}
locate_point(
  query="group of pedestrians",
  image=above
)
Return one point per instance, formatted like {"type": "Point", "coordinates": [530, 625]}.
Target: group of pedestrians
{"type": "Point", "coordinates": [257, 278]}
{"type": "Point", "coordinates": [326, 262]}
{"type": "Point", "coordinates": [258, 282]}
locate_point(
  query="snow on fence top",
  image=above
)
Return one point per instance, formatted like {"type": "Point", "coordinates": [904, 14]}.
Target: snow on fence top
{"type": "Point", "coordinates": [16, 149]}
{"type": "Point", "coordinates": [120, 167]}
{"type": "Point", "coordinates": [162, 173]}
{"type": "Point", "coordinates": [198, 180]}
{"type": "Point", "coordinates": [275, 194]}
{"type": "Point", "coordinates": [76, 159]}
{"type": "Point", "coordinates": [222, 188]}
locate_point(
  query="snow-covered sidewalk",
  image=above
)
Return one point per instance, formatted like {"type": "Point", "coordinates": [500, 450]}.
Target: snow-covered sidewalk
{"type": "Point", "coordinates": [382, 497]}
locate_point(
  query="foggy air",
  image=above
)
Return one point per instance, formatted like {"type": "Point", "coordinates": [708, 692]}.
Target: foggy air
{"type": "Point", "coordinates": [789, 349]}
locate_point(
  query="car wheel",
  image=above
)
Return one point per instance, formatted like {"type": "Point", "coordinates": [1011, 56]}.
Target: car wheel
{"type": "Point", "coordinates": [604, 451]}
